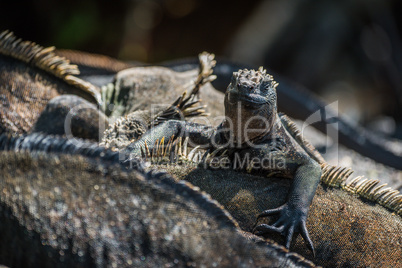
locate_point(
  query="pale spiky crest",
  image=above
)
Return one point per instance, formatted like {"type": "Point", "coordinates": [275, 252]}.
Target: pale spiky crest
{"type": "Point", "coordinates": [46, 60]}
{"type": "Point", "coordinates": [262, 70]}
{"type": "Point", "coordinates": [175, 150]}
{"type": "Point", "coordinates": [184, 106]}
{"type": "Point", "coordinates": [367, 188]}
{"type": "Point", "coordinates": [252, 79]}
{"type": "Point", "coordinates": [207, 63]}
{"type": "Point", "coordinates": [333, 176]}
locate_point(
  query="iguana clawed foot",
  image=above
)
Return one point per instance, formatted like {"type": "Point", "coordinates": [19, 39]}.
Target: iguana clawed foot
{"type": "Point", "coordinates": [291, 221]}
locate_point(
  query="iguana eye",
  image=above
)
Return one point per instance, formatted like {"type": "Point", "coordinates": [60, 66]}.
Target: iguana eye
{"type": "Point", "coordinates": [265, 86]}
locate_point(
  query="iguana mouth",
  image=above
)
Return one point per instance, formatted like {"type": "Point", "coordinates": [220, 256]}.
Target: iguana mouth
{"type": "Point", "coordinates": [251, 100]}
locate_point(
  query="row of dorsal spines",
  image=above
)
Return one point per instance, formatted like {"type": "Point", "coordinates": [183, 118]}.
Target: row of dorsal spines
{"type": "Point", "coordinates": [177, 150]}
{"type": "Point", "coordinates": [46, 60]}
{"type": "Point", "coordinates": [207, 63]}
{"type": "Point", "coordinates": [252, 78]}
{"type": "Point", "coordinates": [370, 189]}
{"type": "Point", "coordinates": [32, 53]}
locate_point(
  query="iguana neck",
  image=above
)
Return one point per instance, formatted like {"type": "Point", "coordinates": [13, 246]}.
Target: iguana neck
{"type": "Point", "coordinates": [246, 127]}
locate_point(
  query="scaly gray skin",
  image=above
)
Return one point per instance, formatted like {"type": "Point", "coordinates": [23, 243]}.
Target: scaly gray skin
{"type": "Point", "coordinates": [40, 89]}
{"type": "Point", "coordinates": [250, 107]}
{"type": "Point", "coordinates": [72, 116]}
{"type": "Point", "coordinates": [30, 76]}
{"type": "Point", "coordinates": [59, 208]}
{"type": "Point", "coordinates": [38, 142]}
{"type": "Point", "coordinates": [348, 223]}
{"type": "Point", "coordinates": [353, 221]}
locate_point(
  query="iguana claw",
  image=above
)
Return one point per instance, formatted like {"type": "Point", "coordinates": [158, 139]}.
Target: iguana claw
{"type": "Point", "coordinates": [291, 221]}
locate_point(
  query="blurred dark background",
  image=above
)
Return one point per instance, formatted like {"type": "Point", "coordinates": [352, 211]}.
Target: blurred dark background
{"type": "Point", "coordinates": [345, 50]}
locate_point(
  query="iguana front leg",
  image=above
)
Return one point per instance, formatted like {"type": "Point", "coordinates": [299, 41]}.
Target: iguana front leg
{"type": "Point", "coordinates": [199, 135]}
{"type": "Point", "coordinates": [293, 214]}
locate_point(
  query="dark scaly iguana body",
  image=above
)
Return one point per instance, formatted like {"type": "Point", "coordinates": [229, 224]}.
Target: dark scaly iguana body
{"type": "Point", "coordinates": [253, 132]}
{"type": "Point", "coordinates": [30, 76]}
{"type": "Point", "coordinates": [58, 209]}
{"type": "Point", "coordinates": [353, 222]}
{"type": "Point", "coordinates": [34, 81]}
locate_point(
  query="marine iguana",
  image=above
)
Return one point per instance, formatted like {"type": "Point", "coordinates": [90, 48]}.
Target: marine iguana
{"type": "Point", "coordinates": [353, 221]}
{"type": "Point", "coordinates": [39, 90]}
{"type": "Point", "coordinates": [72, 211]}
{"type": "Point", "coordinates": [351, 204]}
{"type": "Point", "coordinates": [70, 170]}
{"type": "Point", "coordinates": [258, 140]}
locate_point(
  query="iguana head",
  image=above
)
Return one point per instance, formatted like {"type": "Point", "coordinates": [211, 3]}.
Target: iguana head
{"type": "Point", "coordinates": [250, 104]}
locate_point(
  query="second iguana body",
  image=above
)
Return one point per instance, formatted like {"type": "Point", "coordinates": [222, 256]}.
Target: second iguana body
{"type": "Point", "coordinates": [40, 92]}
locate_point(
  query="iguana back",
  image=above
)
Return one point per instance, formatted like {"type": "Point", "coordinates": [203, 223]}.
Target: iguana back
{"type": "Point", "coordinates": [347, 229]}
{"type": "Point", "coordinates": [30, 76]}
